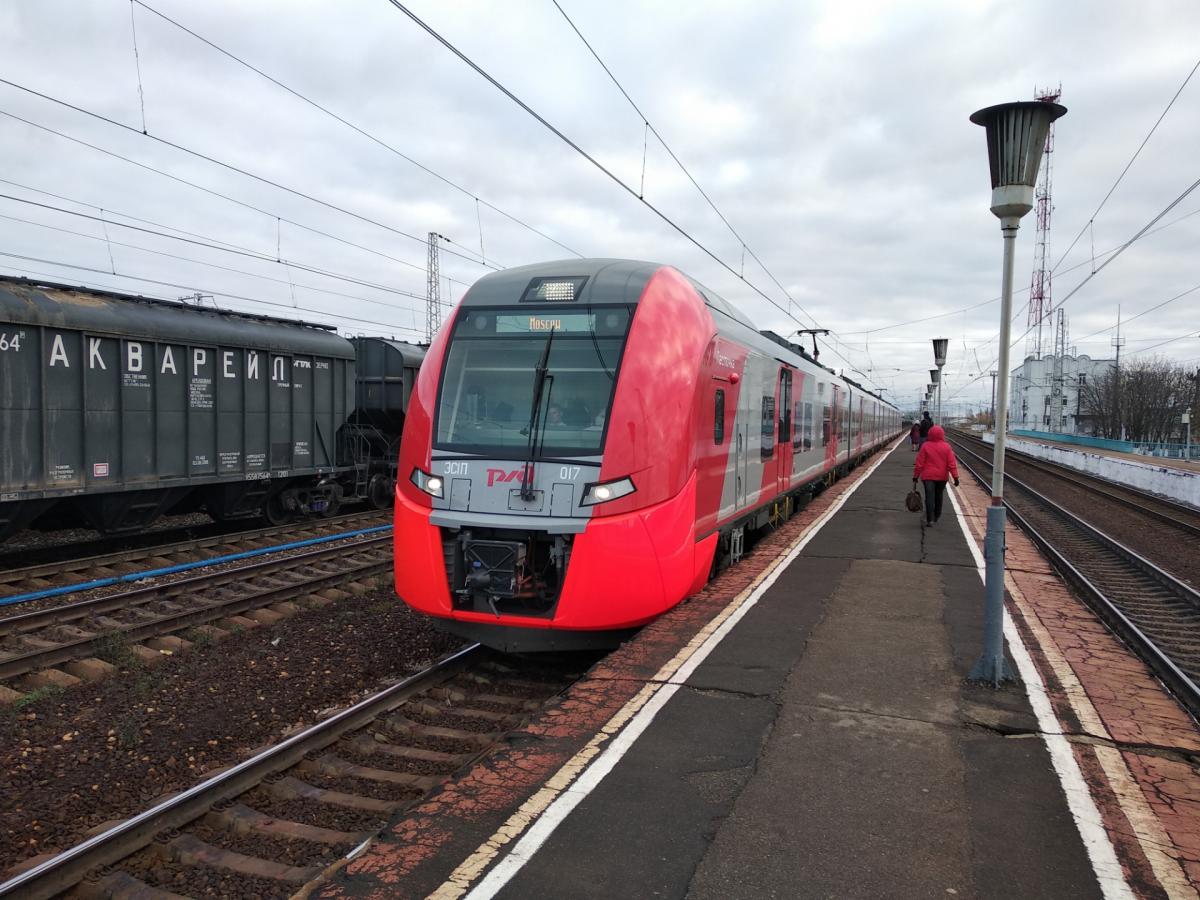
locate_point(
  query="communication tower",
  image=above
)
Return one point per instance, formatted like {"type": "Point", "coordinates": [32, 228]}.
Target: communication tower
{"type": "Point", "coordinates": [433, 290]}
{"type": "Point", "coordinates": [1058, 394]}
{"type": "Point", "coordinates": [1040, 302]}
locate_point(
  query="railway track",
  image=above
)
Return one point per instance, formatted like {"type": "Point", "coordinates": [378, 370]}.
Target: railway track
{"type": "Point", "coordinates": [48, 549]}
{"type": "Point", "coordinates": [274, 822]}
{"type": "Point", "coordinates": [1178, 515]}
{"type": "Point", "coordinates": [1154, 612]}
{"type": "Point", "coordinates": [109, 625]}
{"type": "Point", "coordinates": [52, 571]}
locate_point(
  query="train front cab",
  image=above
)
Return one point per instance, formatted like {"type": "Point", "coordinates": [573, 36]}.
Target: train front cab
{"type": "Point", "coordinates": [596, 536]}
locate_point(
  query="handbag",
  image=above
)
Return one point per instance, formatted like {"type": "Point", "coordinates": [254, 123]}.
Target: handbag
{"type": "Point", "coordinates": [913, 501]}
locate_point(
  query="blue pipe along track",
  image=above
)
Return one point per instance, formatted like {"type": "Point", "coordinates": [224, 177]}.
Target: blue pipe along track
{"type": "Point", "coordinates": [185, 567]}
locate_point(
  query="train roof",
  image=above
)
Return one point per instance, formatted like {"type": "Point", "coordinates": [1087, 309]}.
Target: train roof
{"type": "Point", "coordinates": [32, 302]}
{"type": "Point", "coordinates": [623, 281]}
{"type": "Point", "coordinates": [608, 281]}
{"type": "Point", "coordinates": [410, 354]}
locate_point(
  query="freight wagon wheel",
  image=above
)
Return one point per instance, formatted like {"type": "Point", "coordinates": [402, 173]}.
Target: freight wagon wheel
{"type": "Point", "coordinates": [335, 502]}
{"type": "Point", "coordinates": [381, 492]}
{"type": "Point", "coordinates": [275, 511]}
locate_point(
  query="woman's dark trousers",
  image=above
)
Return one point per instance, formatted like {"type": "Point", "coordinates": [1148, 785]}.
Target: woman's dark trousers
{"type": "Point", "coordinates": [934, 492]}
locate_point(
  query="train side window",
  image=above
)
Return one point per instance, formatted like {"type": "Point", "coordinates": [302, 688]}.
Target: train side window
{"type": "Point", "coordinates": [767, 449]}
{"type": "Point", "coordinates": [808, 425]}
{"type": "Point", "coordinates": [826, 421]}
{"type": "Point", "coordinates": [719, 417]}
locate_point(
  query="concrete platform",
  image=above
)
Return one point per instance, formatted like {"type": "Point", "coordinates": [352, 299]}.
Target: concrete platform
{"type": "Point", "coordinates": [803, 728]}
{"type": "Point", "coordinates": [829, 746]}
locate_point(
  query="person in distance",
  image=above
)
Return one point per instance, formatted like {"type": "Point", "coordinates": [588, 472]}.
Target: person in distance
{"type": "Point", "coordinates": [914, 436]}
{"type": "Point", "coordinates": [934, 466]}
{"type": "Point", "coordinates": [923, 427]}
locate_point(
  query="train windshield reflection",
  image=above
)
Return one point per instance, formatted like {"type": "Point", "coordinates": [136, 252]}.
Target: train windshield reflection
{"type": "Point", "coordinates": [487, 383]}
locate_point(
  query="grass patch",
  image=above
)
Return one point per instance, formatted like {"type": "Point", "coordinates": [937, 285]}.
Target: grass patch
{"type": "Point", "coordinates": [143, 686]}
{"type": "Point", "coordinates": [114, 647]}
{"type": "Point", "coordinates": [128, 734]}
{"type": "Point", "coordinates": [200, 638]}
{"type": "Point", "coordinates": [42, 693]}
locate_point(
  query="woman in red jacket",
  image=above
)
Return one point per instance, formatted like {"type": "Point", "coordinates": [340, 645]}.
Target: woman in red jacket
{"type": "Point", "coordinates": [935, 466]}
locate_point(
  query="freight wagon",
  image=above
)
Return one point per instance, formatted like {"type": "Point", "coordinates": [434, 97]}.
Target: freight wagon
{"type": "Point", "coordinates": [116, 409]}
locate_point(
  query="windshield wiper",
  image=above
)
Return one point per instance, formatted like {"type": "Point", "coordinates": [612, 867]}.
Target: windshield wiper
{"type": "Point", "coordinates": [535, 424]}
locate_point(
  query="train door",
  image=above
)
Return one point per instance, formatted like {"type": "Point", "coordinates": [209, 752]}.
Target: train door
{"type": "Point", "coordinates": [784, 443]}
{"type": "Point", "coordinates": [832, 432]}
{"type": "Point", "coordinates": [741, 438]}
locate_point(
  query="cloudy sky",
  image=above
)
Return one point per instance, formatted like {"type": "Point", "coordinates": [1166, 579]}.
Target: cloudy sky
{"type": "Point", "coordinates": [833, 136]}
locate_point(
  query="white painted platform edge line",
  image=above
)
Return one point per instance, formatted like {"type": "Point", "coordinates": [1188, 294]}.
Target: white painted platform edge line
{"type": "Point", "coordinates": [1089, 823]}
{"type": "Point", "coordinates": [540, 831]}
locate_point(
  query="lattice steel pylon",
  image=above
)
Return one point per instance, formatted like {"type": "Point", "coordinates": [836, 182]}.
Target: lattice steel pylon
{"type": "Point", "coordinates": [433, 290]}
{"type": "Point", "coordinates": [1058, 393]}
{"type": "Point", "coordinates": [1040, 302]}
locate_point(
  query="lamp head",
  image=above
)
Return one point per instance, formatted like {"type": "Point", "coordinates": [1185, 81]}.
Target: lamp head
{"type": "Point", "coordinates": [935, 376]}
{"type": "Point", "coordinates": [1016, 137]}
{"type": "Point", "coordinates": [940, 345]}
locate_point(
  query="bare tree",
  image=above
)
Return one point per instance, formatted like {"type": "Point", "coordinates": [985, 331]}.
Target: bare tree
{"type": "Point", "coordinates": [1147, 397]}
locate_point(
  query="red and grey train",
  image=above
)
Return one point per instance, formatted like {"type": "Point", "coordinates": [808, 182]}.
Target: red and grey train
{"type": "Point", "coordinates": [589, 440]}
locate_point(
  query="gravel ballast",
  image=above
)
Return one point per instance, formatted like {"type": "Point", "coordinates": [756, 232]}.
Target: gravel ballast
{"type": "Point", "coordinates": [76, 758]}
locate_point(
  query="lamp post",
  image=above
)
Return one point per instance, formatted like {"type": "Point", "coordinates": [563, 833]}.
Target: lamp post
{"type": "Point", "coordinates": [1016, 139]}
{"type": "Point", "coordinates": [935, 382]}
{"type": "Point", "coordinates": [940, 346]}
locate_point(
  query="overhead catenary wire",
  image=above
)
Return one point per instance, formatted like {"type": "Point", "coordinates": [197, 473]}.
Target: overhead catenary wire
{"type": "Point", "coordinates": [1125, 246]}
{"type": "Point", "coordinates": [137, 62]}
{"type": "Point", "coordinates": [1128, 319]}
{"type": "Point", "coordinates": [217, 293]}
{"type": "Point", "coordinates": [616, 179]}
{"type": "Point", "coordinates": [218, 194]}
{"type": "Point", "coordinates": [962, 309]}
{"type": "Point", "coordinates": [251, 254]}
{"type": "Point", "coordinates": [288, 281]}
{"type": "Point", "coordinates": [356, 128]}
{"type": "Point", "coordinates": [696, 184]}
{"type": "Point", "coordinates": [262, 179]}
{"type": "Point", "coordinates": [1092, 218]}
{"type": "Point", "coordinates": [194, 234]}
{"type": "Point", "coordinates": [1190, 334]}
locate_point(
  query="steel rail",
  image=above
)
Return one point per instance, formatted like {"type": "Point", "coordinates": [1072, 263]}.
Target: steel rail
{"type": "Point", "coordinates": [78, 564]}
{"type": "Point", "coordinates": [1176, 680]}
{"type": "Point", "coordinates": [13, 666]}
{"type": "Point", "coordinates": [1083, 479]}
{"type": "Point", "coordinates": [165, 590]}
{"type": "Point", "coordinates": [1156, 572]}
{"type": "Point", "coordinates": [68, 868]}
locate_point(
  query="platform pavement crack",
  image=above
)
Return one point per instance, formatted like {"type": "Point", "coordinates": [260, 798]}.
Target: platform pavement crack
{"type": "Point", "coordinates": [875, 714]}
{"type": "Point", "coordinates": [732, 692]}
{"type": "Point", "coordinates": [1177, 754]}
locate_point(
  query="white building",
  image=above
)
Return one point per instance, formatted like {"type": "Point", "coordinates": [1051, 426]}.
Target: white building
{"type": "Point", "coordinates": [1032, 390]}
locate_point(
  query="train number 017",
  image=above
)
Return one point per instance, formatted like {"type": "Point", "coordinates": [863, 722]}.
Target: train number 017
{"type": "Point", "coordinates": [11, 341]}
{"type": "Point", "coordinates": [568, 473]}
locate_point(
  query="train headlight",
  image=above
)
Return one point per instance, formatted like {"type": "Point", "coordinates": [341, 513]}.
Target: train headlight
{"type": "Point", "coordinates": [609, 490]}
{"type": "Point", "coordinates": [430, 484]}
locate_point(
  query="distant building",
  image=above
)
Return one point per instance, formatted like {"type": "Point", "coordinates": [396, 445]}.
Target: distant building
{"type": "Point", "coordinates": [1032, 392]}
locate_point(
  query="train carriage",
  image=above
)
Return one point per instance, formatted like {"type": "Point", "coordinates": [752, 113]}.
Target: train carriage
{"type": "Point", "coordinates": [115, 409]}
{"type": "Point", "coordinates": [589, 440]}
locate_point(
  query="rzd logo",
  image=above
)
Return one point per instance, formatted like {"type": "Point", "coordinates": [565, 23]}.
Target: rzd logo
{"type": "Point", "coordinates": [500, 475]}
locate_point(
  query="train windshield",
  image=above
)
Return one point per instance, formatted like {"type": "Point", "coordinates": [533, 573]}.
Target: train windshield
{"type": "Point", "coordinates": [487, 390]}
